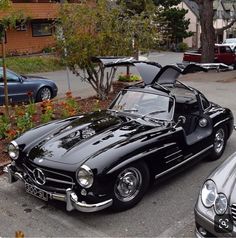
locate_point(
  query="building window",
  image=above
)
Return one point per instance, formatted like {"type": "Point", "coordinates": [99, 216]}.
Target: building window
{"type": "Point", "coordinates": [21, 27]}
{"type": "Point", "coordinates": [41, 29]}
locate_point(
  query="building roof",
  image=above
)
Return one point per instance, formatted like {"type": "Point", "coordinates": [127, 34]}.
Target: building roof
{"type": "Point", "coordinates": [193, 6]}
{"type": "Point", "coordinates": [34, 10]}
{"type": "Point", "coordinates": [220, 5]}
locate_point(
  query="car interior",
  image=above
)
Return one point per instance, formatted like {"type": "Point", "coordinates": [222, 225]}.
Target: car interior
{"type": "Point", "coordinates": [188, 106]}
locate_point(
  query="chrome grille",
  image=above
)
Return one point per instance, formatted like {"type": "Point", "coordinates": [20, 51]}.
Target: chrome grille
{"type": "Point", "coordinates": [54, 180]}
{"type": "Point", "coordinates": [233, 212]}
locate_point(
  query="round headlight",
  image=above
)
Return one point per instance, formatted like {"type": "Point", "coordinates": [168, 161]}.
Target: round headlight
{"type": "Point", "coordinates": [221, 204]}
{"type": "Point", "coordinates": [13, 150]}
{"type": "Point", "coordinates": [209, 193]}
{"type": "Point", "coordinates": [84, 176]}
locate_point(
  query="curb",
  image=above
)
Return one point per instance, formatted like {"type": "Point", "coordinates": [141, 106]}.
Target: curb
{"type": "Point", "coordinates": [2, 165]}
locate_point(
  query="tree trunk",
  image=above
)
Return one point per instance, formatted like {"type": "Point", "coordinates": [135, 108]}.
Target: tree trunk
{"type": "Point", "coordinates": [4, 77]}
{"type": "Point", "coordinates": [208, 33]}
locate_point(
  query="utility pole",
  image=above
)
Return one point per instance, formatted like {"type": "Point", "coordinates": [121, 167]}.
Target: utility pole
{"type": "Point", "coordinates": [65, 54]}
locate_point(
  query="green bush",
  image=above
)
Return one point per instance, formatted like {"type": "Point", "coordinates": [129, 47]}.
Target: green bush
{"type": "Point", "coordinates": [128, 78]}
{"type": "Point", "coordinates": [182, 47]}
{"type": "Point", "coordinates": [35, 64]}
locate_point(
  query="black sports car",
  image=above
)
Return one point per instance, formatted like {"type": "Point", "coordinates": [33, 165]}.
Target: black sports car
{"type": "Point", "coordinates": [19, 87]}
{"type": "Point", "coordinates": [108, 158]}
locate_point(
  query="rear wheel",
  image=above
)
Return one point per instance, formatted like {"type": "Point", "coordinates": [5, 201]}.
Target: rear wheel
{"type": "Point", "coordinates": [130, 186]}
{"type": "Point", "coordinates": [219, 142]}
{"type": "Point", "coordinates": [44, 94]}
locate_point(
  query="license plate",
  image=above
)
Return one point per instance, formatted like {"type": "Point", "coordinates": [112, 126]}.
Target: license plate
{"type": "Point", "coordinates": [37, 192]}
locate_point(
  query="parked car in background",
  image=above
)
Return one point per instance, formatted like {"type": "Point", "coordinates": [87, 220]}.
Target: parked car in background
{"type": "Point", "coordinates": [20, 86]}
{"type": "Point", "coordinates": [223, 54]}
{"type": "Point", "coordinates": [231, 42]}
{"type": "Point", "coordinates": [215, 210]}
{"type": "Point", "coordinates": [108, 159]}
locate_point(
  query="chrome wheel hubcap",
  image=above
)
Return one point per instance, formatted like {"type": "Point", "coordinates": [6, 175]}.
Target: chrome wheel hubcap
{"type": "Point", "coordinates": [128, 184]}
{"type": "Point", "coordinates": [219, 141]}
{"type": "Point", "coordinates": [45, 94]}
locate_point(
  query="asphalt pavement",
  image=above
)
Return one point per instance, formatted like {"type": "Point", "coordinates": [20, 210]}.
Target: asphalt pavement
{"type": "Point", "coordinates": [165, 211]}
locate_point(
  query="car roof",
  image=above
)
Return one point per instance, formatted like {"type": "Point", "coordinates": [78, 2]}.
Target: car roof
{"type": "Point", "coordinates": [230, 39]}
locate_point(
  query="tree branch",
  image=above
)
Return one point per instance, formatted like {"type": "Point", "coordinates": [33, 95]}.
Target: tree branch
{"type": "Point", "coordinates": [227, 26]}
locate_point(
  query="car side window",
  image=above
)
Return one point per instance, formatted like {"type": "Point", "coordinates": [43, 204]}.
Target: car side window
{"type": "Point", "coordinates": [205, 102]}
{"type": "Point", "coordinates": [228, 50]}
{"type": "Point", "coordinates": [11, 77]}
{"type": "Point", "coordinates": [222, 50]}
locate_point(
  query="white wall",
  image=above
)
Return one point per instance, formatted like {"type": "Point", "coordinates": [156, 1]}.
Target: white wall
{"type": "Point", "coordinates": [194, 26]}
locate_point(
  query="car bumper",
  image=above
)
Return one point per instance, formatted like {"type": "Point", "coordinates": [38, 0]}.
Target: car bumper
{"type": "Point", "coordinates": [70, 198]}
{"type": "Point", "coordinates": [205, 225]}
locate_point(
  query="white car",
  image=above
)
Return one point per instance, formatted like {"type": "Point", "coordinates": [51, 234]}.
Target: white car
{"type": "Point", "coordinates": [231, 42]}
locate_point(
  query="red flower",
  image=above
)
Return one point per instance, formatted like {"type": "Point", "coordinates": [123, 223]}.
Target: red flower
{"type": "Point", "coordinates": [29, 94]}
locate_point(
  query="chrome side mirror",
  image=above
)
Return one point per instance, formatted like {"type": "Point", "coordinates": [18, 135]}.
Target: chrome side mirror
{"type": "Point", "coordinates": [181, 120]}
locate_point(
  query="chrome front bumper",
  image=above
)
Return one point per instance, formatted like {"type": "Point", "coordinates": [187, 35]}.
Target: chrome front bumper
{"type": "Point", "coordinates": [70, 198]}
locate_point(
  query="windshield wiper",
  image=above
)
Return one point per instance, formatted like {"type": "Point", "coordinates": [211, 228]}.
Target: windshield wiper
{"type": "Point", "coordinates": [153, 113]}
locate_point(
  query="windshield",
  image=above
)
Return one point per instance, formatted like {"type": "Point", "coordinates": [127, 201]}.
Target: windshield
{"type": "Point", "coordinates": [144, 104]}
{"type": "Point", "coordinates": [233, 40]}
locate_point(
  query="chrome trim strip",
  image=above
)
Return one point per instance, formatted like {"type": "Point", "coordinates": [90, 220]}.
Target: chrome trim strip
{"type": "Point", "coordinates": [57, 196]}
{"type": "Point", "coordinates": [176, 152]}
{"type": "Point", "coordinates": [52, 179]}
{"type": "Point", "coordinates": [31, 171]}
{"type": "Point", "coordinates": [15, 144]}
{"type": "Point", "coordinates": [183, 162]}
{"type": "Point", "coordinates": [59, 181]}
{"type": "Point", "coordinates": [167, 162]}
{"type": "Point", "coordinates": [136, 157]}
{"type": "Point", "coordinates": [218, 123]}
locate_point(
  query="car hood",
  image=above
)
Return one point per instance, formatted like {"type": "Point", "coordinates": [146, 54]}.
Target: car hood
{"type": "Point", "coordinates": [34, 78]}
{"type": "Point", "coordinates": [224, 177]}
{"type": "Point", "coordinates": [88, 136]}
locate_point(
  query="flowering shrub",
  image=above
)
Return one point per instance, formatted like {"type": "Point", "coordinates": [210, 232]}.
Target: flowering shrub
{"type": "Point", "coordinates": [69, 107]}
{"type": "Point", "coordinates": [47, 111]}
{"type": "Point", "coordinates": [128, 78]}
{"type": "Point", "coordinates": [4, 126]}
{"type": "Point", "coordinates": [24, 117]}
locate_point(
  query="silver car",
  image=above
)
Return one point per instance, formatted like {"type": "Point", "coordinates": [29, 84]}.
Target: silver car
{"type": "Point", "coordinates": [215, 210]}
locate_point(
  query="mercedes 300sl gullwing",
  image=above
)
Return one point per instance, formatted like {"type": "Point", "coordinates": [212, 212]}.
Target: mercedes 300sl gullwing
{"type": "Point", "coordinates": [108, 159]}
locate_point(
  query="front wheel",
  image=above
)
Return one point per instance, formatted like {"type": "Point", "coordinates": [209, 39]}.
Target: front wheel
{"type": "Point", "coordinates": [219, 143]}
{"type": "Point", "coordinates": [130, 186]}
{"type": "Point", "coordinates": [44, 94]}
